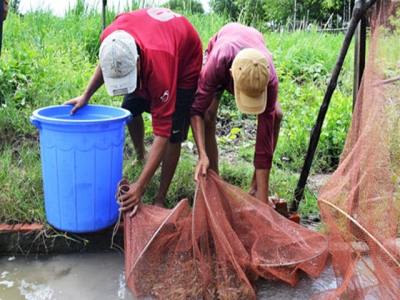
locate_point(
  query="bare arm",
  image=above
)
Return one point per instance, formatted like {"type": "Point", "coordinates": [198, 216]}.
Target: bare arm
{"type": "Point", "coordinates": [94, 84]}
{"type": "Point", "coordinates": [197, 124]}
{"type": "Point", "coordinates": [133, 197]}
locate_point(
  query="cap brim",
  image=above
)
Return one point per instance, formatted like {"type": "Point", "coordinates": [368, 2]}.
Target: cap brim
{"type": "Point", "coordinates": [122, 85]}
{"type": "Point", "coordinates": [251, 105]}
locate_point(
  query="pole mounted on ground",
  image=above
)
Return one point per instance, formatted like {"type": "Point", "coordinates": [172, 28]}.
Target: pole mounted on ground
{"type": "Point", "coordinates": [359, 10]}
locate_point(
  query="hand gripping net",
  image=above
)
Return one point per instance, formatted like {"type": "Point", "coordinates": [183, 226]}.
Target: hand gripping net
{"type": "Point", "coordinates": [216, 249]}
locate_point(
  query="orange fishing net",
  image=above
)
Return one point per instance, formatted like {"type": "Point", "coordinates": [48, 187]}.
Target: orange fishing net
{"type": "Point", "coordinates": [217, 248]}
{"type": "Point", "coordinates": [360, 203]}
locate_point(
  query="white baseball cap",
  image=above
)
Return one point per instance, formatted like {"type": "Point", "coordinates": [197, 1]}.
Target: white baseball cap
{"type": "Point", "coordinates": [118, 61]}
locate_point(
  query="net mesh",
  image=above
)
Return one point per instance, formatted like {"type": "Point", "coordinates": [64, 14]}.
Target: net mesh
{"type": "Point", "coordinates": [360, 203]}
{"type": "Point", "coordinates": [217, 248]}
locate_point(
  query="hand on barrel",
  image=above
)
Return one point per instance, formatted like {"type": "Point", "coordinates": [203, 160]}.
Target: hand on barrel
{"type": "Point", "coordinates": [78, 103]}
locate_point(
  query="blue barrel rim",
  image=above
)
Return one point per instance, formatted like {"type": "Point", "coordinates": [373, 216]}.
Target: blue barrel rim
{"type": "Point", "coordinates": [45, 119]}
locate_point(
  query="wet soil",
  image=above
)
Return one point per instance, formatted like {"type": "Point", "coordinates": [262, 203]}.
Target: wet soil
{"type": "Point", "coordinates": [49, 241]}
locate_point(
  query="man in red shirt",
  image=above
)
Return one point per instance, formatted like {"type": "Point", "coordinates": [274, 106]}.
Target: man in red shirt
{"type": "Point", "coordinates": [237, 60]}
{"type": "Point", "coordinates": [153, 57]}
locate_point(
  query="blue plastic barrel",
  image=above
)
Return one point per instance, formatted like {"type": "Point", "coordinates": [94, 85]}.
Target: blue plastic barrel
{"type": "Point", "coordinates": [82, 158]}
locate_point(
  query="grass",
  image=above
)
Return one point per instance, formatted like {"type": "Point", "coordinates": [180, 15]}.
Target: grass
{"type": "Point", "coordinates": [21, 192]}
{"type": "Point", "coordinates": [47, 60]}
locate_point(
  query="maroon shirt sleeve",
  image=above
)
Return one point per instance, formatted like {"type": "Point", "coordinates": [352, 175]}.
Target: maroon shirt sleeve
{"type": "Point", "coordinates": [264, 147]}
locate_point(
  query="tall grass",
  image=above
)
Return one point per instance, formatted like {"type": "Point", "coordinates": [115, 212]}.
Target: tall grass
{"type": "Point", "coordinates": [47, 60]}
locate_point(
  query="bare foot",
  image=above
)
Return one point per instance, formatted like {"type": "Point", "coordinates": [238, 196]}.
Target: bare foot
{"type": "Point", "coordinates": [138, 161]}
{"type": "Point", "coordinates": [271, 203]}
{"type": "Point", "coordinates": [273, 200]}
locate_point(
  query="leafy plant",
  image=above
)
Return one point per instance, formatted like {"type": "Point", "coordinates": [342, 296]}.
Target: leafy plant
{"type": "Point", "coordinates": [47, 60]}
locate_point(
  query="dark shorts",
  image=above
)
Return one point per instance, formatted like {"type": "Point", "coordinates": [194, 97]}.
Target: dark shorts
{"type": "Point", "coordinates": [180, 118]}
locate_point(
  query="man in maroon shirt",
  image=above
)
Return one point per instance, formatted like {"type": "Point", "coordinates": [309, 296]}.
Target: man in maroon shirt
{"type": "Point", "coordinates": [237, 60]}
{"type": "Point", "coordinates": [153, 57]}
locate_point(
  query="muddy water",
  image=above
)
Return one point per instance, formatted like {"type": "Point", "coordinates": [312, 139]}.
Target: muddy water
{"type": "Point", "coordinates": [82, 276]}
{"type": "Point", "coordinates": [100, 276]}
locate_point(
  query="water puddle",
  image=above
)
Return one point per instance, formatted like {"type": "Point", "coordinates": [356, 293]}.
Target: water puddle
{"type": "Point", "coordinates": [101, 276]}
{"type": "Point", "coordinates": [64, 277]}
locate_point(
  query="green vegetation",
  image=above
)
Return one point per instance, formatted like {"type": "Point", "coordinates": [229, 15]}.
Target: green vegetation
{"type": "Point", "coordinates": [47, 60]}
{"type": "Point", "coordinates": [276, 13]}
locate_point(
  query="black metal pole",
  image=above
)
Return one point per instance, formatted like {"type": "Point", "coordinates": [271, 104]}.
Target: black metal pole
{"type": "Point", "coordinates": [360, 7]}
{"type": "Point", "coordinates": [359, 56]}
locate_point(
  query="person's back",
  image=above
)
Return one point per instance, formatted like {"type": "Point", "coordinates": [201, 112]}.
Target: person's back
{"type": "Point", "coordinates": [174, 36]}
{"type": "Point", "coordinates": [220, 53]}
{"type": "Point", "coordinates": [170, 58]}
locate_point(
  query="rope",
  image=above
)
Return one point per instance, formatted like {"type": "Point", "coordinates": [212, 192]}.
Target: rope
{"type": "Point", "coordinates": [122, 189]}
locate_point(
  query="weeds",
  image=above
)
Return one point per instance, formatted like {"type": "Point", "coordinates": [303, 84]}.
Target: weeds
{"type": "Point", "coordinates": [47, 60]}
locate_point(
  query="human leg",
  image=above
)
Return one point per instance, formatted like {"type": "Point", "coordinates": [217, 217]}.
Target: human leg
{"type": "Point", "coordinates": [180, 127]}
{"type": "Point", "coordinates": [137, 105]}
{"type": "Point", "coordinates": [255, 189]}
{"type": "Point", "coordinates": [136, 132]}
{"type": "Point", "coordinates": [168, 167]}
